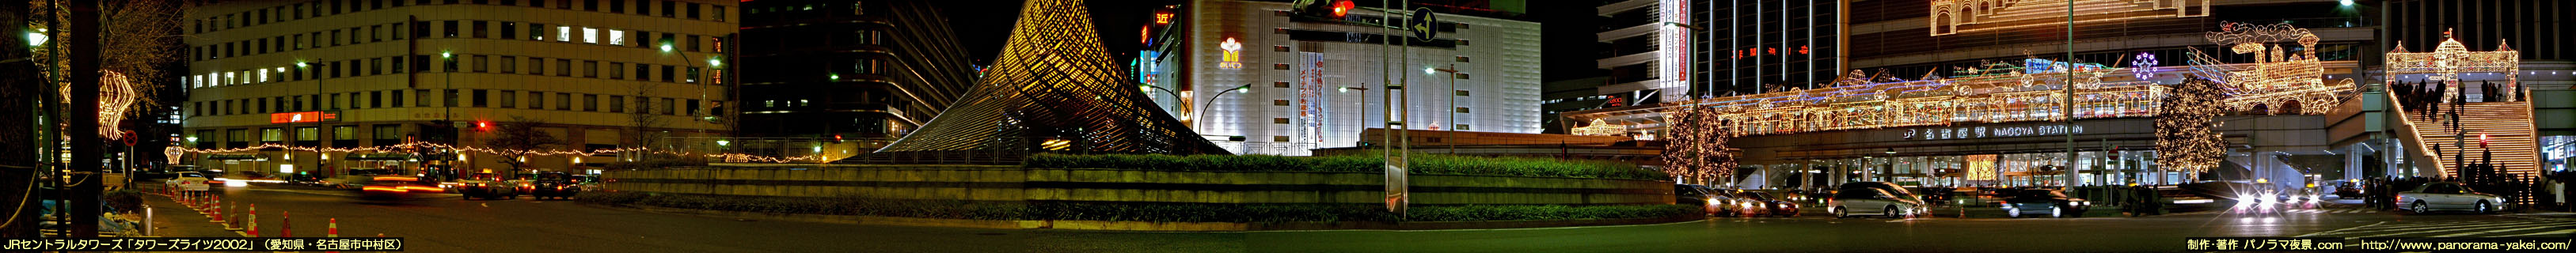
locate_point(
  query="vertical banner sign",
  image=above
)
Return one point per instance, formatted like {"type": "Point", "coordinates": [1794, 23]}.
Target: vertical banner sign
{"type": "Point", "coordinates": [1310, 100]}
{"type": "Point", "coordinates": [1675, 66]}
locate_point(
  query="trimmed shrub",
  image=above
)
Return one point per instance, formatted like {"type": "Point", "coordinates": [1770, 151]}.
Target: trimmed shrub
{"type": "Point", "coordinates": [1423, 164]}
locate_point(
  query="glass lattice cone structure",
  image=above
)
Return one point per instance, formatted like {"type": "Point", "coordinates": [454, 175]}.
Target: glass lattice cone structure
{"type": "Point", "coordinates": [1055, 89]}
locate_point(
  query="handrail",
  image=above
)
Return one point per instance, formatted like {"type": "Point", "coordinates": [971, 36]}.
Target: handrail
{"type": "Point", "coordinates": [2406, 126]}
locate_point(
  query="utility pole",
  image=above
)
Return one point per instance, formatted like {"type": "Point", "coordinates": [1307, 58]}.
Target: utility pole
{"type": "Point", "coordinates": [2069, 86]}
{"type": "Point", "coordinates": [85, 166]}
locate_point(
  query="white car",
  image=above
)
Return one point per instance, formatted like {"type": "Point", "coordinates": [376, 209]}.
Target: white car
{"type": "Point", "coordinates": [2437, 196]}
{"type": "Point", "coordinates": [192, 181]}
{"type": "Point", "coordinates": [1873, 201]}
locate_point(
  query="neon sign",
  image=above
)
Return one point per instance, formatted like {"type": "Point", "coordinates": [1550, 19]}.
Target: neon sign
{"type": "Point", "coordinates": [303, 117]}
{"type": "Point", "coordinates": [1233, 54]}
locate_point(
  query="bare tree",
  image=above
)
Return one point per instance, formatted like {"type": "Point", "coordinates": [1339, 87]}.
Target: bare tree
{"type": "Point", "coordinates": [647, 128]}
{"type": "Point", "coordinates": [141, 38]}
{"type": "Point", "coordinates": [517, 136]}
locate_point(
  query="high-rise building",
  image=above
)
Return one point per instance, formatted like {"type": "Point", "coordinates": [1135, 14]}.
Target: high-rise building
{"type": "Point", "coordinates": [854, 69]}
{"type": "Point", "coordinates": [1265, 77]}
{"type": "Point", "coordinates": [1673, 50]}
{"type": "Point", "coordinates": [362, 80]}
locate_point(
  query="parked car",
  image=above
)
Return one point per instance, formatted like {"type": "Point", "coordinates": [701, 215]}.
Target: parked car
{"type": "Point", "coordinates": [397, 188]}
{"type": "Point", "coordinates": [527, 182]}
{"type": "Point", "coordinates": [2043, 201]}
{"type": "Point", "coordinates": [1757, 203]}
{"type": "Point", "coordinates": [555, 185]}
{"type": "Point", "coordinates": [487, 186]}
{"type": "Point", "coordinates": [1871, 201]}
{"type": "Point", "coordinates": [2349, 190]}
{"type": "Point", "coordinates": [1879, 198]}
{"type": "Point", "coordinates": [192, 181]}
{"type": "Point", "coordinates": [2437, 196]}
{"type": "Point", "coordinates": [587, 182]}
{"type": "Point", "coordinates": [1684, 194]}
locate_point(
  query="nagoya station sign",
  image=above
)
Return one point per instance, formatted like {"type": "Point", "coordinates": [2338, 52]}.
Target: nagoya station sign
{"type": "Point", "coordinates": [1953, 133]}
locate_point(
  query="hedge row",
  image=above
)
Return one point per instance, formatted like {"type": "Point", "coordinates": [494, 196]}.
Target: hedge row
{"type": "Point", "coordinates": [1151, 212]}
{"type": "Point", "coordinates": [1422, 164]}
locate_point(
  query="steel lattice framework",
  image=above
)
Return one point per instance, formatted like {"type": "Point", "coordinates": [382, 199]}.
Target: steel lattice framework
{"type": "Point", "coordinates": [1055, 88]}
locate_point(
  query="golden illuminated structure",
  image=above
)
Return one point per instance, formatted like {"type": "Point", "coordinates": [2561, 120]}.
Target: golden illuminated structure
{"type": "Point", "coordinates": [1955, 16]}
{"type": "Point", "coordinates": [2502, 125]}
{"type": "Point", "coordinates": [2449, 59]}
{"type": "Point", "coordinates": [2027, 92]}
{"type": "Point", "coordinates": [2279, 80]}
{"type": "Point", "coordinates": [1600, 128]}
{"type": "Point", "coordinates": [1054, 88]}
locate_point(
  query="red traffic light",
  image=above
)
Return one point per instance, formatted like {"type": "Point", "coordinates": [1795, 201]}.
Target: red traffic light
{"type": "Point", "coordinates": [482, 125]}
{"type": "Point", "coordinates": [1341, 7]}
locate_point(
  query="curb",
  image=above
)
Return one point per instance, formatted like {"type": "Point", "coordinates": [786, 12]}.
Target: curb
{"type": "Point", "coordinates": [1147, 225]}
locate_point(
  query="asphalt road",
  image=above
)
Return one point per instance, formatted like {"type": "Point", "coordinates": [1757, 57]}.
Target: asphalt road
{"type": "Point", "coordinates": [446, 223]}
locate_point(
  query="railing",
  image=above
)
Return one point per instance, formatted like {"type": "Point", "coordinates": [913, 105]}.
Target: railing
{"type": "Point", "coordinates": [2407, 133]}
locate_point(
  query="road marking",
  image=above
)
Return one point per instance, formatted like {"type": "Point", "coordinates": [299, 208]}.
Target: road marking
{"type": "Point", "coordinates": [2342, 230]}
{"type": "Point", "coordinates": [2570, 231]}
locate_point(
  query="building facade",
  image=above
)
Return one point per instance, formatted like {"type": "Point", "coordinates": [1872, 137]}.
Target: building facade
{"type": "Point", "coordinates": [1309, 83]}
{"type": "Point", "coordinates": [851, 69]}
{"type": "Point", "coordinates": [1996, 58]}
{"type": "Point", "coordinates": [1673, 50]}
{"type": "Point", "coordinates": [325, 86]}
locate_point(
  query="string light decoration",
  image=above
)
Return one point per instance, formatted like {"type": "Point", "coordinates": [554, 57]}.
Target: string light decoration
{"type": "Point", "coordinates": [2186, 134]}
{"type": "Point", "coordinates": [2286, 82]}
{"type": "Point", "coordinates": [505, 152]}
{"type": "Point", "coordinates": [2143, 66]}
{"type": "Point", "coordinates": [2449, 58]}
{"type": "Point", "coordinates": [1695, 148]}
{"type": "Point", "coordinates": [2018, 91]}
{"type": "Point", "coordinates": [1600, 128]}
{"type": "Point", "coordinates": [115, 95]}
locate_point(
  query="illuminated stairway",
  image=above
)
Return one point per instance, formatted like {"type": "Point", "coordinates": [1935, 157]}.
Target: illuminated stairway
{"type": "Point", "coordinates": [2506, 125]}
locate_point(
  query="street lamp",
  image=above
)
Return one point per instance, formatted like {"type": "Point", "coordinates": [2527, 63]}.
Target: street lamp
{"type": "Point", "coordinates": [317, 123]}
{"type": "Point", "coordinates": [1151, 88]}
{"type": "Point", "coordinates": [1359, 124]}
{"type": "Point", "coordinates": [36, 38]}
{"type": "Point", "coordinates": [1453, 104]}
{"type": "Point", "coordinates": [1212, 99]}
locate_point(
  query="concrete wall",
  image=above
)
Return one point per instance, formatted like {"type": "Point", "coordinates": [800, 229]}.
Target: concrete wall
{"type": "Point", "coordinates": [1005, 183]}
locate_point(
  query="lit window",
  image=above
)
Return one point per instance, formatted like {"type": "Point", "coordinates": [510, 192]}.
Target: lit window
{"type": "Point", "coordinates": [263, 75]}
{"type": "Point", "coordinates": [616, 37]}
{"type": "Point", "coordinates": [563, 34]}
{"type": "Point", "coordinates": [590, 35]}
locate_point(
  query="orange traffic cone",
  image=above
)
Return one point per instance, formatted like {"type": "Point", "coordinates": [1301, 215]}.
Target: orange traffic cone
{"type": "Point", "coordinates": [285, 224]}
{"type": "Point", "coordinates": [334, 232]}
{"type": "Point", "coordinates": [215, 203]}
{"type": "Point", "coordinates": [252, 223]}
{"type": "Point", "coordinates": [218, 213]}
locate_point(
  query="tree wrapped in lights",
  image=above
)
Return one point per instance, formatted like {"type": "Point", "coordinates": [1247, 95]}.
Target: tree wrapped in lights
{"type": "Point", "coordinates": [2186, 136]}
{"type": "Point", "coordinates": [1695, 150]}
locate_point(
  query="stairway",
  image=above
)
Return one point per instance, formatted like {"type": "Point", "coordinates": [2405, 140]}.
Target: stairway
{"type": "Point", "coordinates": [2506, 125]}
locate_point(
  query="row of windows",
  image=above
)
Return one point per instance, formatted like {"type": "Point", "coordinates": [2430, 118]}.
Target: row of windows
{"type": "Point", "coordinates": [479, 29]}
{"type": "Point", "coordinates": [310, 9]}
{"type": "Point", "coordinates": [502, 64]}
{"type": "Point", "coordinates": [478, 98]}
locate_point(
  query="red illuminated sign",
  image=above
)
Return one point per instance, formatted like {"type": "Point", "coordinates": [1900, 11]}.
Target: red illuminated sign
{"type": "Point", "coordinates": [303, 117]}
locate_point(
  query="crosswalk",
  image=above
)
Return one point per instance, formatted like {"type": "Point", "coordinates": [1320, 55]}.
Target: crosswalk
{"type": "Point", "coordinates": [2523, 227]}
{"type": "Point", "coordinates": [2293, 211]}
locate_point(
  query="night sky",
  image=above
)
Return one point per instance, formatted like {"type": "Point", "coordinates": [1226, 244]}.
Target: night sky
{"type": "Point", "coordinates": [1566, 26]}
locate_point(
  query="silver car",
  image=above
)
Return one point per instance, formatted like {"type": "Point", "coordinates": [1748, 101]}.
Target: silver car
{"type": "Point", "coordinates": [2438, 196]}
{"type": "Point", "coordinates": [1874, 201]}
